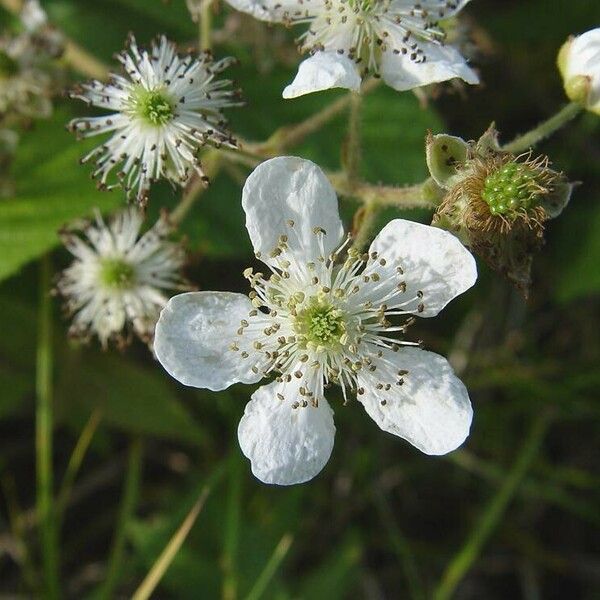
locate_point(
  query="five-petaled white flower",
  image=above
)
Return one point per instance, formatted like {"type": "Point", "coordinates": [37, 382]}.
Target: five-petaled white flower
{"type": "Point", "coordinates": [399, 40]}
{"type": "Point", "coordinates": [579, 64]}
{"type": "Point", "coordinates": [117, 281]}
{"type": "Point", "coordinates": [164, 108]}
{"type": "Point", "coordinates": [323, 315]}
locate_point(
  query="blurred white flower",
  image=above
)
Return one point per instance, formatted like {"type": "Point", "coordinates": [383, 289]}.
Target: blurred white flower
{"type": "Point", "coordinates": [117, 281]}
{"type": "Point", "coordinates": [25, 77]}
{"type": "Point", "coordinates": [399, 40]}
{"type": "Point", "coordinates": [579, 64]}
{"type": "Point", "coordinates": [322, 315]}
{"type": "Point", "coordinates": [164, 108]}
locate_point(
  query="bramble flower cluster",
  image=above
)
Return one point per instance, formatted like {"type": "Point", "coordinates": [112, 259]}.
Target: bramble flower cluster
{"type": "Point", "coordinates": [321, 311]}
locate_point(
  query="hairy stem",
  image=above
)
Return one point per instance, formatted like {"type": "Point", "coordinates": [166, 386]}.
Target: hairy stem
{"type": "Point", "coordinates": [364, 221]}
{"type": "Point", "coordinates": [545, 129]}
{"type": "Point", "coordinates": [44, 426]}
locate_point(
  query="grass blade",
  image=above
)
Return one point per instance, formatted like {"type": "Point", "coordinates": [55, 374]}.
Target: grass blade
{"type": "Point", "coordinates": [163, 562]}
{"type": "Point", "coordinates": [128, 503]}
{"type": "Point", "coordinates": [271, 567]}
{"type": "Point", "coordinates": [468, 554]}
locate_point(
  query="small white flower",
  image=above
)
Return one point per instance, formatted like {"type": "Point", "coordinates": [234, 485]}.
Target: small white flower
{"type": "Point", "coordinates": [320, 316]}
{"type": "Point", "coordinates": [118, 278]}
{"type": "Point", "coordinates": [163, 110]}
{"type": "Point", "coordinates": [25, 78]}
{"type": "Point", "coordinates": [399, 40]}
{"type": "Point", "coordinates": [579, 64]}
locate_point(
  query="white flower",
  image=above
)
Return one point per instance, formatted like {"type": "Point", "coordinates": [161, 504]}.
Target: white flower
{"type": "Point", "coordinates": [322, 316]}
{"type": "Point", "coordinates": [163, 110]}
{"type": "Point", "coordinates": [117, 281]}
{"type": "Point", "coordinates": [399, 40]}
{"type": "Point", "coordinates": [579, 64]}
{"type": "Point", "coordinates": [25, 80]}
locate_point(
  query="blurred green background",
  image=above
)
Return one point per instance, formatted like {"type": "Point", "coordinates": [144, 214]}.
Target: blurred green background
{"type": "Point", "coordinates": [515, 513]}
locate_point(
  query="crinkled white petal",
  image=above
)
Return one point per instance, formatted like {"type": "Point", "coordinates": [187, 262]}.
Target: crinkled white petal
{"type": "Point", "coordinates": [323, 71]}
{"type": "Point", "coordinates": [431, 410]}
{"type": "Point", "coordinates": [583, 58]}
{"type": "Point", "coordinates": [442, 63]}
{"type": "Point", "coordinates": [291, 189]}
{"type": "Point", "coordinates": [285, 445]}
{"type": "Point", "coordinates": [434, 262]}
{"type": "Point", "coordinates": [193, 338]}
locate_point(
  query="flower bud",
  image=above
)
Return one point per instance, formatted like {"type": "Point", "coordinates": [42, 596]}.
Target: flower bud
{"type": "Point", "coordinates": [495, 202]}
{"type": "Point", "coordinates": [579, 65]}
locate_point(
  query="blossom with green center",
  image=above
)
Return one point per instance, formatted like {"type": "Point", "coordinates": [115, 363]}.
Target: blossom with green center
{"type": "Point", "coordinates": [164, 108]}
{"type": "Point", "coordinates": [323, 315]}
{"type": "Point", "coordinates": [117, 282]}
{"type": "Point", "coordinates": [400, 41]}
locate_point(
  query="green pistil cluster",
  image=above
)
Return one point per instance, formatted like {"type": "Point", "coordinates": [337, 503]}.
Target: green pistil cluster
{"type": "Point", "coordinates": [8, 67]}
{"type": "Point", "coordinates": [116, 274]}
{"type": "Point", "coordinates": [321, 324]}
{"type": "Point", "coordinates": [153, 106]}
{"type": "Point", "coordinates": [511, 188]}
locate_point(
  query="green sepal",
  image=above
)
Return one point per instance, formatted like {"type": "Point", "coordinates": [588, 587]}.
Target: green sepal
{"type": "Point", "coordinates": [445, 156]}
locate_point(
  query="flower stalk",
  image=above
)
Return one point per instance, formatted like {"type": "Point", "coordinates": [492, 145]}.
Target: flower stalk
{"type": "Point", "coordinates": [545, 129]}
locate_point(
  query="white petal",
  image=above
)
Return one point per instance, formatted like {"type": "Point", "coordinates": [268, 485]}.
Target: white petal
{"type": "Point", "coordinates": [323, 71]}
{"type": "Point", "coordinates": [442, 63]}
{"type": "Point", "coordinates": [193, 336]}
{"type": "Point", "coordinates": [272, 11]}
{"type": "Point", "coordinates": [285, 445]}
{"type": "Point", "coordinates": [433, 260]}
{"type": "Point", "coordinates": [291, 189]}
{"type": "Point", "coordinates": [431, 410]}
{"type": "Point", "coordinates": [583, 58]}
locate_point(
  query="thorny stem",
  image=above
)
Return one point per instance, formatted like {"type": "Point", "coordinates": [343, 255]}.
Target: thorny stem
{"type": "Point", "coordinates": [493, 513]}
{"type": "Point", "coordinates": [44, 424]}
{"type": "Point", "coordinates": [545, 129]}
{"type": "Point", "coordinates": [196, 187]}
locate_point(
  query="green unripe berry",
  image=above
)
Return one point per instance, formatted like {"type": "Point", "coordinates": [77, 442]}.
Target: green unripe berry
{"type": "Point", "coordinates": [511, 188]}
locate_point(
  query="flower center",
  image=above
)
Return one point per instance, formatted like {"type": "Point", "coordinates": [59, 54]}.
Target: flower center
{"type": "Point", "coordinates": [116, 274]}
{"type": "Point", "coordinates": [153, 106]}
{"type": "Point", "coordinates": [321, 324]}
{"type": "Point", "coordinates": [511, 188]}
{"type": "Point", "coordinates": [8, 66]}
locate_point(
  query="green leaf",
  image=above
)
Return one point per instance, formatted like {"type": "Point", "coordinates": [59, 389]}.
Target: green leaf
{"type": "Point", "coordinates": [51, 190]}
{"type": "Point", "coordinates": [132, 398]}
